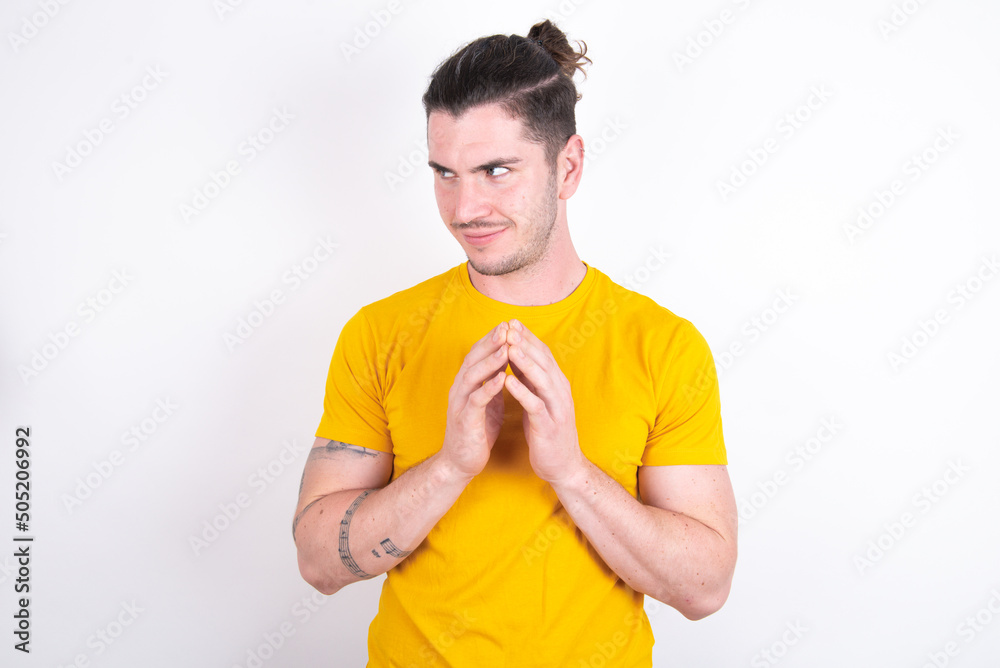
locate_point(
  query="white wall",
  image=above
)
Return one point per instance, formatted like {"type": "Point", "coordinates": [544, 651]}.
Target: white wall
{"type": "Point", "coordinates": [663, 135]}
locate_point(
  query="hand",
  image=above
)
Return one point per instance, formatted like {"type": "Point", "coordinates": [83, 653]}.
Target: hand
{"type": "Point", "coordinates": [544, 393]}
{"type": "Point", "coordinates": [475, 404]}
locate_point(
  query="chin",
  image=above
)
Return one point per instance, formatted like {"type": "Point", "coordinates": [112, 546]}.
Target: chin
{"type": "Point", "coordinates": [491, 269]}
{"type": "Point", "coordinates": [498, 267]}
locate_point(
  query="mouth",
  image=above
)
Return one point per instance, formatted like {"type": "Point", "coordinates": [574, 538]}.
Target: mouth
{"type": "Point", "coordinates": [478, 239]}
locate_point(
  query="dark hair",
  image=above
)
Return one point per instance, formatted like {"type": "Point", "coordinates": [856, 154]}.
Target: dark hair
{"type": "Point", "coordinates": [530, 77]}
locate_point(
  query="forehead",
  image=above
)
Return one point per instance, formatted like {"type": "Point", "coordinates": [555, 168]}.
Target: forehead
{"type": "Point", "coordinates": [480, 133]}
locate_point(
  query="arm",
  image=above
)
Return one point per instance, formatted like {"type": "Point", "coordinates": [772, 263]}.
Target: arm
{"type": "Point", "coordinates": [677, 545]}
{"type": "Point", "coordinates": [350, 525]}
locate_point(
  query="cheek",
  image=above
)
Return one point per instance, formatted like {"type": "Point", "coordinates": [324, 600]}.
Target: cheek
{"type": "Point", "coordinates": [443, 198]}
{"type": "Point", "coordinates": [510, 202]}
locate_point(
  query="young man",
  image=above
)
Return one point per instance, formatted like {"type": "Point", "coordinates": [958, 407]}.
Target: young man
{"type": "Point", "coordinates": [523, 446]}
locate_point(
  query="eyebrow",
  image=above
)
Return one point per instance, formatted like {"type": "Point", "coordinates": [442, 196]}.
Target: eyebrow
{"type": "Point", "coordinates": [492, 164]}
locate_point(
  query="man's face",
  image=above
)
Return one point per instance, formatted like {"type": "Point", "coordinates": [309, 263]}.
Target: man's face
{"type": "Point", "coordinates": [495, 190]}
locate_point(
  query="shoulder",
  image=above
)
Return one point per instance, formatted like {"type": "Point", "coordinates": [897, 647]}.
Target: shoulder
{"type": "Point", "coordinates": [641, 314]}
{"type": "Point", "coordinates": [378, 329]}
{"type": "Point", "coordinates": [402, 304]}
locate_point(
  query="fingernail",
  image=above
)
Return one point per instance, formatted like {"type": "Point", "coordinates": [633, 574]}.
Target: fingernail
{"type": "Point", "coordinates": [516, 324]}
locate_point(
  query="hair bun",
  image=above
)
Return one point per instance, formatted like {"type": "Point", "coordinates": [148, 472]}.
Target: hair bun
{"type": "Point", "coordinates": [554, 40]}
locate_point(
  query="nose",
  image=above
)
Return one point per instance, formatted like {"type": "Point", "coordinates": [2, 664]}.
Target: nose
{"type": "Point", "coordinates": [470, 201]}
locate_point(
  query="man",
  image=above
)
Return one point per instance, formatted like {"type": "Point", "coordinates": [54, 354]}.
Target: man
{"type": "Point", "coordinates": [523, 446]}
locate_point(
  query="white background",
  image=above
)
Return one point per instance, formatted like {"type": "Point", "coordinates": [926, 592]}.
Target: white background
{"type": "Point", "coordinates": [662, 134]}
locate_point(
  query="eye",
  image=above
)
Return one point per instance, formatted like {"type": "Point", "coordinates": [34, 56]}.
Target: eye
{"type": "Point", "coordinates": [491, 171]}
{"type": "Point", "coordinates": [444, 173]}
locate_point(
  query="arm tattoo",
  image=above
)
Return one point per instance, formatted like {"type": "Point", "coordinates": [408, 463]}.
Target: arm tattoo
{"type": "Point", "coordinates": [392, 550]}
{"type": "Point", "coordinates": [329, 450]}
{"type": "Point", "coordinates": [295, 524]}
{"type": "Point", "coordinates": [345, 527]}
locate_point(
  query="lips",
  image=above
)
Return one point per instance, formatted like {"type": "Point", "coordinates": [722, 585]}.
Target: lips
{"type": "Point", "coordinates": [480, 239]}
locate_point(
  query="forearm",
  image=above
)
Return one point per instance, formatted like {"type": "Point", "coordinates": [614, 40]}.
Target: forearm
{"type": "Point", "coordinates": [357, 534]}
{"type": "Point", "coordinates": [672, 557]}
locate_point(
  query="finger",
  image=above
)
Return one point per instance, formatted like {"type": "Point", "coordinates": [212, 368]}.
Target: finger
{"type": "Point", "coordinates": [484, 358]}
{"type": "Point", "coordinates": [519, 329]}
{"type": "Point", "coordinates": [539, 370]}
{"type": "Point", "coordinates": [539, 379]}
{"type": "Point", "coordinates": [520, 374]}
{"type": "Point", "coordinates": [490, 342]}
{"type": "Point", "coordinates": [531, 404]}
{"type": "Point", "coordinates": [481, 397]}
{"type": "Point", "coordinates": [474, 376]}
{"type": "Point", "coordinates": [532, 346]}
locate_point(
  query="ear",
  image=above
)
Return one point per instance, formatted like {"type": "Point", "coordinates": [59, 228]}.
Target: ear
{"type": "Point", "coordinates": [569, 167]}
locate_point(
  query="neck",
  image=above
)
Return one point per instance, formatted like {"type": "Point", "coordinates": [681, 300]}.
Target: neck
{"type": "Point", "coordinates": [551, 279]}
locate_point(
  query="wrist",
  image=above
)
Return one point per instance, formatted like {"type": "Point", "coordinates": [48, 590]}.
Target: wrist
{"type": "Point", "coordinates": [576, 478]}
{"type": "Point", "coordinates": [445, 473]}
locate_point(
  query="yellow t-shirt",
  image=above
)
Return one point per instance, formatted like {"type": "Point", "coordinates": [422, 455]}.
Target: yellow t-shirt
{"type": "Point", "coordinates": [505, 578]}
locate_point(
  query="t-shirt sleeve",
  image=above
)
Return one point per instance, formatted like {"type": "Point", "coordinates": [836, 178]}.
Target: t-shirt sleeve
{"type": "Point", "coordinates": [688, 425]}
{"type": "Point", "coordinates": [353, 411]}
